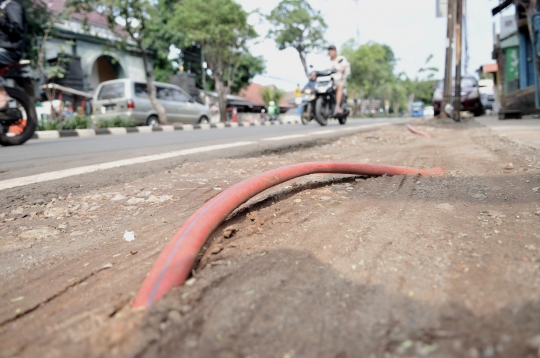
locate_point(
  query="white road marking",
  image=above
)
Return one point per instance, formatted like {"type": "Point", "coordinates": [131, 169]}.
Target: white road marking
{"type": "Point", "coordinates": [286, 137]}
{"type": "Point", "coordinates": [324, 132]}
{"type": "Point", "coordinates": [370, 126]}
{"type": "Point", "coordinates": [39, 178]}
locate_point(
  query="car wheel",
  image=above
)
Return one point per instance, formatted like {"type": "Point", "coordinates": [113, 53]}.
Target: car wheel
{"type": "Point", "coordinates": [204, 120]}
{"type": "Point", "coordinates": [152, 121]}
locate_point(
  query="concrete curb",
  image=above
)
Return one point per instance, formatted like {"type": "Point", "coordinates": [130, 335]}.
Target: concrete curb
{"type": "Point", "coordinates": [123, 131]}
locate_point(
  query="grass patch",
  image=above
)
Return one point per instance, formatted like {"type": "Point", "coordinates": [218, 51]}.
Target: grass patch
{"type": "Point", "coordinates": [115, 122]}
{"type": "Point", "coordinates": [78, 121]}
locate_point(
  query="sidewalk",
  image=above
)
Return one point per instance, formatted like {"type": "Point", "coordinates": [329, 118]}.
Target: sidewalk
{"type": "Point", "coordinates": [524, 131]}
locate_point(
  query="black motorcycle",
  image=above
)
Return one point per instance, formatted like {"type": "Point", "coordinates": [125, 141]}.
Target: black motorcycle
{"type": "Point", "coordinates": [19, 121]}
{"type": "Point", "coordinates": [319, 102]}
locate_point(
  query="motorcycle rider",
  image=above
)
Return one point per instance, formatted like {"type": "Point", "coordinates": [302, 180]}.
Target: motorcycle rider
{"type": "Point", "coordinates": [13, 27]}
{"type": "Point", "coordinates": [341, 65]}
{"type": "Point", "coordinates": [312, 81]}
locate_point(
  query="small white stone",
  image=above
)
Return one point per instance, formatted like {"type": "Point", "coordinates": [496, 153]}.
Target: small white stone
{"type": "Point", "coordinates": [129, 236]}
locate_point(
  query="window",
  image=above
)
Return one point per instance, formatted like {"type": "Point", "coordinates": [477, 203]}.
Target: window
{"type": "Point", "coordinates": [112, 91]}
{"type": "Point", "coordinates": [468, 82]}
{"type": "Point", "coordinates": [164, 93]}
{"type": "Point", "coordinates": [180, 96]}
{"type": "Point", "coordinates": [141, 90]}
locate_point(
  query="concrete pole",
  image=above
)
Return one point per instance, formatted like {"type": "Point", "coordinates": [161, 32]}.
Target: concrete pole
{"type": "Point", "coordinates": [457, 90]}
{"type": "Point", "coordinates": [447, 89]}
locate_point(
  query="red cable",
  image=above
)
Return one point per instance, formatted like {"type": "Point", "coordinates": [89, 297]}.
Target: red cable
{"type": "Point", "coordinates": [175, 261]}
{"type": "Point", "coordinates": [416, 131]}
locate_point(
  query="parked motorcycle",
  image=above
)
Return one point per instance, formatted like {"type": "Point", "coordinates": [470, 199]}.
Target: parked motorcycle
{"type": "Point", "coordinates": [18, 123]}
{"type": "Point", "coordinates": [319, 102]}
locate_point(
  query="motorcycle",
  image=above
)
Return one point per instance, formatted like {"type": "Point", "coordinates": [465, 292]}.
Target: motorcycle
{"type": "Point", "coordinates": [319, 103]}
{"type": "Point", "coordinates": [19, 121]}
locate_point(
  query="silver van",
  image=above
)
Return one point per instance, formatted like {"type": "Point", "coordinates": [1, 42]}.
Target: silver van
{"type": "Point", "coordinates": [130, 99]}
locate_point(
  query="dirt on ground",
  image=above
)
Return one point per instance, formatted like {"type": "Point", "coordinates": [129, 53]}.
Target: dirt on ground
{"type": "Point", "coordinates": [324, 266]}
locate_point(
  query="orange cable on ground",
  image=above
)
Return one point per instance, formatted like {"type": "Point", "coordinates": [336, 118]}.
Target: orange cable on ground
{"type": "Point", "coordinates": [416, 131]}
{"type": "Point", "coordinates": [176, 260]}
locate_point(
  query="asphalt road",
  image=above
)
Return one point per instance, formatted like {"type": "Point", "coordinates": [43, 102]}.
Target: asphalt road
{"type": "Point", "coordinates": [41, 156]}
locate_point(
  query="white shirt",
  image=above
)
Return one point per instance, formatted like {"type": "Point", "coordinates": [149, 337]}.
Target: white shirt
{"type": "Point", "coordinates": [337, 65]}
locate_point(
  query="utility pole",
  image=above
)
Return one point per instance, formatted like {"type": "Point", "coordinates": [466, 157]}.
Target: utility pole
{"type": "Point", "coordinates": [447, 89]}
{"type": "Point", "coordinates": [203, 70]}
{"type": "Point", "coordinates": [357, 23]}
{"type": "Point", "coordinates": [457, 90]}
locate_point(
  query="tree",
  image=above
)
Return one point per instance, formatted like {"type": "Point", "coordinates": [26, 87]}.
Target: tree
{"type": "Point", "coordinates": [41, 23]}
{"type": "Point", "coordinates": [271, 93]}
{"type": "Point", "coordinates": [136, 18]}
{"type": "Point", "coordinates": [372, 68]}
{"type": "Point", "coordinates": [159, 38]}
{"type": "Point", "coordinates": [221, 28]}
{"type": "Point", "coordinates": [38, 18]}
{"type": "Point", "coordinates": [423, 87]}
{"type": "Point", "coordinates": [249, 67]}
{"type": "Point", "coordinates": [296, 24]}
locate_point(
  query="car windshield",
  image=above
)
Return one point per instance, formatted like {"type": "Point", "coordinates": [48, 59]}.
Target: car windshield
{"type": "Point", "coordinates": [112, 91]}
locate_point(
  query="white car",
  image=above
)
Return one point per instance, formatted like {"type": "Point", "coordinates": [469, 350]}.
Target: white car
{"type": "Point", "coordinates": [429, 112]}
{"type": "Point", "coordinates": [129, 99]}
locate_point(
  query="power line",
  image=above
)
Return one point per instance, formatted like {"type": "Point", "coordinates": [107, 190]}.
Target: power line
{"type": "Point", "coordinates": [279, 78]}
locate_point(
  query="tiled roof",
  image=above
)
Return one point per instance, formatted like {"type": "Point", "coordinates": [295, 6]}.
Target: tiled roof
{"type": "Point", "coordinates": [492, 67]}
{"type": "Point", "coordinates": [94, 17]}
{"type": "Point", "coordinates": [252, 94]}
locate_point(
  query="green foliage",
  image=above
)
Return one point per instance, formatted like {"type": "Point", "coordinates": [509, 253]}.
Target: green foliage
{"type": "Point", "coordinates": [250, 66]}
{"type": "Point", "coordinates": [270, 94]}
{"type": "Point", "coordinates": [57, 69]}
{"type": "Point", "coordinates": [81, 121]}
{"type": "Point", "coordinates": [37, 15]}
{"type": "Point", "coordinates": [159, 38]}
{"type": "Point", "coordinates": [372, 67]}
{"type": "Point", "coordinates": [115, 122]}
{"type": "Point", "coordinates": [373, 76]}
{"type": "Point", "coordinates": [296, 24]}
{"type": "Point", "coordinates": [221, 28]}
{"type": "Point", "coordinates": [78, 121]}
{"type": "Point", "coordinates": [422, 87]}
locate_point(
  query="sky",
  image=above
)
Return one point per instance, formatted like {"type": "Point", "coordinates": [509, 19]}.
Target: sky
{"type": "Point", "coordinates": [410, 28]}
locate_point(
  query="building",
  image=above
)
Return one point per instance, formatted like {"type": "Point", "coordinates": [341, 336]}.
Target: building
{"type": "Point", "coordinates": [252, 94]}
{"type": "Point", "coordinates": [517, 76]}
{"type": "Point", "coordinates": [92, 49]}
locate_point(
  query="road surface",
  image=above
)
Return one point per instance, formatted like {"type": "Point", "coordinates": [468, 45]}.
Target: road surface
{"type": "Point", "coordinates": [43, 168]}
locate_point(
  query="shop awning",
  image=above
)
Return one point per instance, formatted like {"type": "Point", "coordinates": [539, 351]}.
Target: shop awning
{"type": "Point", "coordinates": [66, 90]}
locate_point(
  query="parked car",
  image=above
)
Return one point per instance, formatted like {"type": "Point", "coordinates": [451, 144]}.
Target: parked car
{"type": "Point", "coordinates": [130, 99]}
{"type": "Point", "coordinates": [429, 112]}
{"type": "Point", "coordinates": [470, 96]}
{"type": "Point", "coordinates": [487, 93]}
{"type": "Point", "coordinates": [417, 109]}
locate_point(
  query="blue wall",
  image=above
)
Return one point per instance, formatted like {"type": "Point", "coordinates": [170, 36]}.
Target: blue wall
{"type": "Point", "coordinates": [526, 61]}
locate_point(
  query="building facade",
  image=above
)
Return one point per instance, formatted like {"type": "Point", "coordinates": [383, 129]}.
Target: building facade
{"type": "Point", "coordinates": [94, 45]}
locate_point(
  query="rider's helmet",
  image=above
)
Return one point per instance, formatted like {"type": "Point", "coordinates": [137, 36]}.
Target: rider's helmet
{"type": "Point", "coordinates": [272, 103]}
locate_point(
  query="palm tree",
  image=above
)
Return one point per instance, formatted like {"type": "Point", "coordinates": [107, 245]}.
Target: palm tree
{"type": "Point", "coordinates": [271, 93]}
